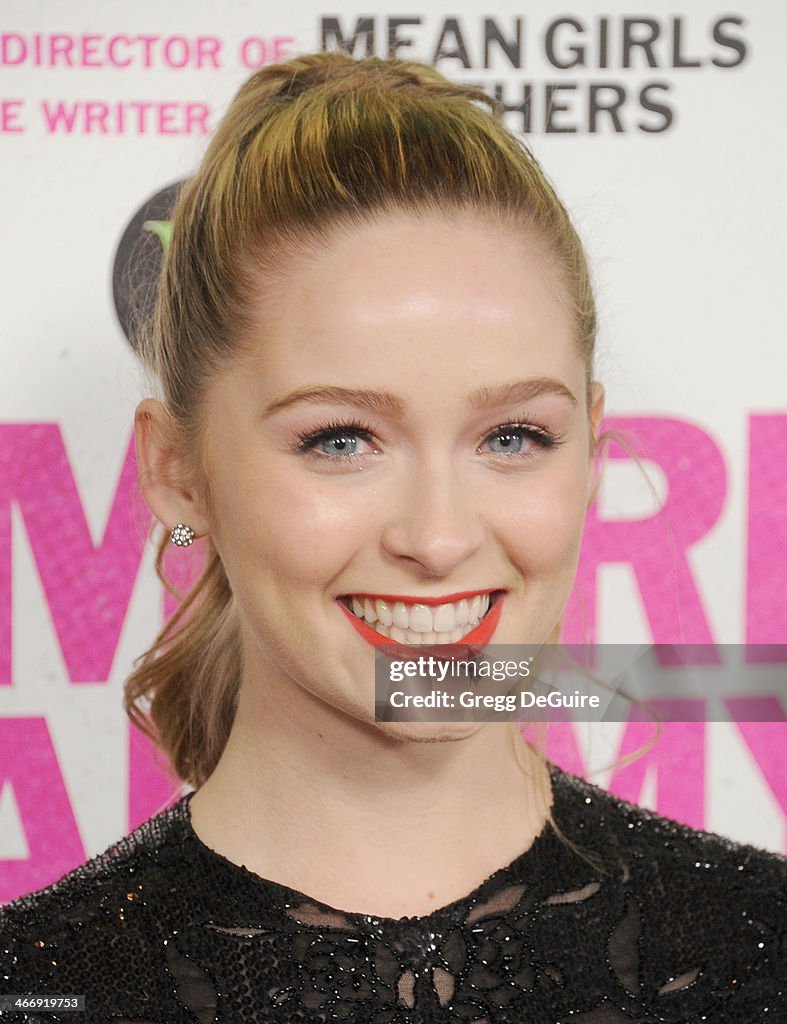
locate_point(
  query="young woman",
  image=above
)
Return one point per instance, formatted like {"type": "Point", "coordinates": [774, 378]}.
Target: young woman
{"type": "Point", "coordinates": [373, 355]}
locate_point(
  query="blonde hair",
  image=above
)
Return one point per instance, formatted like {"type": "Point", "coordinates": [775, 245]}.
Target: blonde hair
{"type": "Point", "coordinates": [320, 142]}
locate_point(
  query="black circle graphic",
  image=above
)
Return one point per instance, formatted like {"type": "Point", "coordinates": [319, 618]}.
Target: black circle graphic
{"type": "Point", "coordinates": [138, 260]}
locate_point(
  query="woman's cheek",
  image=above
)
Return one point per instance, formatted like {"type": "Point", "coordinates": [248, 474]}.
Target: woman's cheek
{"type": "Point", "coordinates": [319, 531]}
{"type": "Point", "coordinates": [547, 522]}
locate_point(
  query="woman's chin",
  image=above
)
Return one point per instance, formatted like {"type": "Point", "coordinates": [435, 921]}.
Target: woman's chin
{"type": "Point", "coordinates": [428, 732]}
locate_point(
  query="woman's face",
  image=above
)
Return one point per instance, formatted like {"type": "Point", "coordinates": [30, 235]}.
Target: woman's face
{"type": "Point", "coordinates": [412, 426]}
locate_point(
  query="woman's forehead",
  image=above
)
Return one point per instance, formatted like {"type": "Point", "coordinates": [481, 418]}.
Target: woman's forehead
{"type": "Point", "coordinates": [427, 290]}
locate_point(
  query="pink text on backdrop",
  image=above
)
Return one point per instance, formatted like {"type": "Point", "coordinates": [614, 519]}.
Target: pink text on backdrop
{"type": "Point", "coordinates": [176, 52]}
{"type": "Point", "coordinates": [29, 763]}
{"type": "Point", "coordinates": [11, 117]}
{"type": "Point", "coordinates": [657, 546]}
{"type": "Point", "coordinates": [766, 531]}
{"type": "Point", "coordinates": [87, 584]}
{"type": "Point", "coordinates": [256, 51]}
{"type": "Point", "coordinates": [125, 117]}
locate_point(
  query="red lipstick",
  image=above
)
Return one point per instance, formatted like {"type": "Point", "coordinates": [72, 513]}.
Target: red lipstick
{"type": "Point", "coordinates": [405, 599]}
{"type": "Point", "coordinates": [477, 638]}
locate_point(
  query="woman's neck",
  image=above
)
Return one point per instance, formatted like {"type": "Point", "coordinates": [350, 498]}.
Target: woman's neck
{"type": "Point", "coordinates": [365, 821]}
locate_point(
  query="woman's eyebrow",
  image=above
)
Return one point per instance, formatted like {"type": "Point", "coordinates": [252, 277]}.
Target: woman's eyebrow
{"type": "Point", "coordinates": [516, 391]}
{"type": "Point", "coordinates": [385, 402]}
{"type": "Point", "coordinates": [376, 401]}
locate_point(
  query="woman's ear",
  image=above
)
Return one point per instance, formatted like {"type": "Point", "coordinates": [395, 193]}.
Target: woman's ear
{"type": "Point", "coordinates": [162, 479]}
{"type": "Point", "coordinates": [597, 399]}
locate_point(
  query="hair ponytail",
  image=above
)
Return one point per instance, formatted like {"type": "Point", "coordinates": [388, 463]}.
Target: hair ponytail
{"type": "Point", "coordinates": [191, 673]}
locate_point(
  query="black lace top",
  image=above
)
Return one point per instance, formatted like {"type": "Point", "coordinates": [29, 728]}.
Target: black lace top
{"type": "Point", "coordinates": [671, 925]}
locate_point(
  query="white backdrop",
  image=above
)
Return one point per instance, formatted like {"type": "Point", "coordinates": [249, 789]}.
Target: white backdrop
{"type": "Point", "coordinates": [681, 205]}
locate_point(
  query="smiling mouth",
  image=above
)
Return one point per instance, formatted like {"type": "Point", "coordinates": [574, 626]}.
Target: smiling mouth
{"type": "Point", "coordinates": [416, 623]}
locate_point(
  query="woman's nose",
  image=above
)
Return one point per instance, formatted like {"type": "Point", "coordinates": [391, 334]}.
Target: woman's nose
{"type": "Point", "coordinates": [436, 523]}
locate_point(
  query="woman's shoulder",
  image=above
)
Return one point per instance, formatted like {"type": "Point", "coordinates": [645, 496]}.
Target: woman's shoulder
{"type": "Point", "coordinates": [666, 860]}
{"type": "Point", "coordinates": [149, 848]}
{"type": "Point", "coordinates": [642, 836]}
{"type": "Point", "coordinates": [698, 915]}
{"type": "Point", "coordinates": [97, 919]}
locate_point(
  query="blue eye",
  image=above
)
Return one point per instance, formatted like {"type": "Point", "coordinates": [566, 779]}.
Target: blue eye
{"type": "Point", "coordinates": [338, 443]}
{"type": "Point", "coordinates": [510, 441]}
{"type": "Point", "coordinates": [521, 439]}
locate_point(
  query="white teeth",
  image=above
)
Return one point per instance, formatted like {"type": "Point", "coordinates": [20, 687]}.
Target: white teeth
{"type": "Point", "coordinates": [401, 616]}
{"type": "Point", "coordinates": [420, 623]}
{"type": "Point", "coordinates": [444, 619]}
{"type": "Point", "coordinates": [384, 613]}
{"type": "Point", "coordinates": [421, 619]}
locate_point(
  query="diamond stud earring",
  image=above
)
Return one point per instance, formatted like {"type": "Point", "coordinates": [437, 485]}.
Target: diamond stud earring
{"type": "Point", "coordinates": [182, 535]}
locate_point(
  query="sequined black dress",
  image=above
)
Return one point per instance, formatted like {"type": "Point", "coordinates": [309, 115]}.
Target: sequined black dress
{"type": "Point", "coordinates": [672, 925]}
